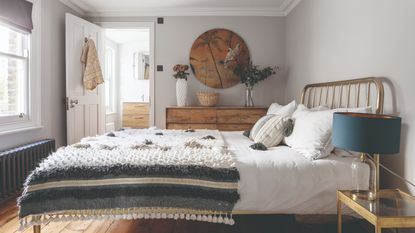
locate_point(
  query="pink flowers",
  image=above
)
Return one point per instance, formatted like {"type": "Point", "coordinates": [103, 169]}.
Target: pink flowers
{"type": "Point", "coordinates": [179, 67]}
{"type": "Point", "coordinates": [180, 71]}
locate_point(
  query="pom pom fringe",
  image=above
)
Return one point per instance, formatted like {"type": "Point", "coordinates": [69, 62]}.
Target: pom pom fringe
{"type": "Point", "coordinates": [126, 214]}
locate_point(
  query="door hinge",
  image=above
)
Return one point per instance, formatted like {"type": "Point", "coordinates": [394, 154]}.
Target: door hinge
{"type": "Point", "coordinates": [67, 103]}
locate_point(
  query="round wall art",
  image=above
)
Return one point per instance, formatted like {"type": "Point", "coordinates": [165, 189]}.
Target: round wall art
{"type": "Point", "coordinates": [215, 55]}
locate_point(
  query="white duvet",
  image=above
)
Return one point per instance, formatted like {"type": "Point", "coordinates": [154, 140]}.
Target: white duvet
{"type": "Point", "coordinates": [281, 180]}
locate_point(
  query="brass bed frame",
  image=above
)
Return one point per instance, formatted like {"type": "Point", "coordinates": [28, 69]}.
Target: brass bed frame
{"type": "Point", "coordinates": [345, 94]}
{"type": "Point", "coordinates": [337, 94]}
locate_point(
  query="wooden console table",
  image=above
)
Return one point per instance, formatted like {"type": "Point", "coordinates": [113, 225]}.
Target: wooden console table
{"type": "Point", "coordinates": [221, 118]}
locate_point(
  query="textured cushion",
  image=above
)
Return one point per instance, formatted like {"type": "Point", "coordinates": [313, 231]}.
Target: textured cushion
{"type": "Point", "coordinates": [269, 130]}
{"type": "Point", "coordinates": [258, 125]}
{"type": "Point", "coordinates": [282, 110]}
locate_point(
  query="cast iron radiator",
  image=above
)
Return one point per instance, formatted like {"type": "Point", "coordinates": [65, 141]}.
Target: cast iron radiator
{"type": "Point", "coordinates": [16, 164]}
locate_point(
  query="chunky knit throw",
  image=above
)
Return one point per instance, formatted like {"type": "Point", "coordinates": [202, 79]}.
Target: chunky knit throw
{"type": "Point", "coordinates": [134, 174]}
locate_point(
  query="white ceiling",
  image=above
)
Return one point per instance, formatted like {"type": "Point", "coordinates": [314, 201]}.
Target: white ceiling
{"type": "Point", "coordinates": [182, 7]}
{"type": "Point", "coordinates": [121, 36]}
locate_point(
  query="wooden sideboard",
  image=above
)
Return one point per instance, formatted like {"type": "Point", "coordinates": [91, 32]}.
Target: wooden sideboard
{"type": "Point", "coordinates": [221, 118]}
{"type": "Point", "coordinates": [135, 115]}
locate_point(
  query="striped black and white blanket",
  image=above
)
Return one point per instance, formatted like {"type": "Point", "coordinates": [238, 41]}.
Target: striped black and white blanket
{"type": "Point", "coordinates": [134, 174]}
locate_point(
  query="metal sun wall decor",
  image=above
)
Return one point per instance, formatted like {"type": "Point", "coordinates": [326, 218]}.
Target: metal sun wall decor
{"type": "Point", "coordinates": [214, 56]}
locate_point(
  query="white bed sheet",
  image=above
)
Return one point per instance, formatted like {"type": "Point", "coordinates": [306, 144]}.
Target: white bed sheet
{"type": "Point", "coordinates": [281, 180]}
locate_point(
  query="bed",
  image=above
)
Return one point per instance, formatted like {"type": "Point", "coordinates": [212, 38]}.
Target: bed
{"type": "Point", "coordinates": [217, 182]}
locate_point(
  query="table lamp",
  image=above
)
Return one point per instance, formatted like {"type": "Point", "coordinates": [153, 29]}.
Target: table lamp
{"type": "Point", "coordinates": [371, 135]}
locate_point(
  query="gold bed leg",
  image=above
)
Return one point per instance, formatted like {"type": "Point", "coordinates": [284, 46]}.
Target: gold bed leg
{"type": "Point", "coordinates": [339, 216]}
{"type": "Point", "coordinates": [36, 229]}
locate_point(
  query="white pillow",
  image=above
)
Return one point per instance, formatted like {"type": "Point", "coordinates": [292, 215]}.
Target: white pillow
{"type": "Point", "coordinates": [312, 131]}
{"type": "Point", "coordinates": [282, 110]}
{"type": "Point", "coordinates": [269, 130]}
{"type": "Point", "coordinates": [367, 109]}
{"type": "Point", "coordinates": [320, 108]}
{"type": "Point", "coordinates": [311, 135]}
{"type": "Point", "coordinates": [345, 153]}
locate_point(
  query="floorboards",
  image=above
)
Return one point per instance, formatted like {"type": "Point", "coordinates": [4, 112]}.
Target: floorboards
{"type": "Point", "coordinates": [244, 224]}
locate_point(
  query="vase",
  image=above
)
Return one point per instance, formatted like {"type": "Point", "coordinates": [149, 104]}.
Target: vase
{"type": "Point", "coordinates": [249, 100]}
{"type": "Point", "coordinates": [181, 92]}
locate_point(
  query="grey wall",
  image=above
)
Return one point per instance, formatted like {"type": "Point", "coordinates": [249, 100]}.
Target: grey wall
{"type": "Point", "coordinates": [339, 39]}
{"type": "Point", "coordinates": [52, 80]}
{"type": "Point", "coordinates": [265, 37]}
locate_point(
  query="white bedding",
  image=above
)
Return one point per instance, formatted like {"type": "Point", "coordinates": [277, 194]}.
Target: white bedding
{"type": "Point", "coordinates": [281, 180]}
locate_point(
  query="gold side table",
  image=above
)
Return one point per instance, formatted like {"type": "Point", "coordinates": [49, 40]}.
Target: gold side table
{"type": "Point", "coordinates": [392, 209]}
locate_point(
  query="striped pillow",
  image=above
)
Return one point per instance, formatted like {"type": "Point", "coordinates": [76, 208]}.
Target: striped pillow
{"type": "Point", "coordinates": [269, 130]}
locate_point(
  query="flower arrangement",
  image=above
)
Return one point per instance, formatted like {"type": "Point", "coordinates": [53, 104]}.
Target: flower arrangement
{"type": "Point", "coordinates": [180, 71]}
{"type": "Point", "coordinates": [252, 74]}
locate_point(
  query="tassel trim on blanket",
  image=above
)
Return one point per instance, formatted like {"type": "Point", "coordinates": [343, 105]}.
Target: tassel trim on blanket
{"type": "Point", "coordinates": [127, 214]}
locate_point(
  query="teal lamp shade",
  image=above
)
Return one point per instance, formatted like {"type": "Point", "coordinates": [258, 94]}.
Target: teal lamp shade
{"type": "Point", "coordinates": [367, 133]}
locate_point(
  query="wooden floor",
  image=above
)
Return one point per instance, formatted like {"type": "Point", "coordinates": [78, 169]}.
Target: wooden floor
{"type": "Point", "coordinates": [258, 224]}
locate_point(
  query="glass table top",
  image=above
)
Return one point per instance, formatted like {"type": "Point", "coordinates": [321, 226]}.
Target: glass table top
{"type": "Point", "coordinates": [390, 202]}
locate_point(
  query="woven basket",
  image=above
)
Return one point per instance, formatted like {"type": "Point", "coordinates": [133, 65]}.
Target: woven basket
{"type": "Point", "coordinates": [208, 99]}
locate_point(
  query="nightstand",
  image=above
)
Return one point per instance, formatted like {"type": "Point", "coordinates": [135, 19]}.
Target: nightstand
{"type": "Point", "coordinates": [392, 209]}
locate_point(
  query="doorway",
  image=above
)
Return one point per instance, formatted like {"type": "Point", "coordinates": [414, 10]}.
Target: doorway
{"type": "Point", "coordinates": [129, 75]}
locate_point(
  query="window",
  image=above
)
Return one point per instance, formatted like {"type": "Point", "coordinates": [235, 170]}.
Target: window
{"type": "Point", "coordinates": [20, 67]}
{"type": "Point", "coordinates": [109, 80]}
{"type": "Point", "coordinates": [14, 74]}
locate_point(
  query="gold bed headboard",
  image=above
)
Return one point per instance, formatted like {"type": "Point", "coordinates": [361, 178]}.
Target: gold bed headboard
{"type": "Point", "coordinates": [361, 92]}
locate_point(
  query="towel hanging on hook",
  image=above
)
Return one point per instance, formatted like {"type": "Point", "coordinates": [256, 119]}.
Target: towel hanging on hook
{"type": "Point", "coordinates": [92, 74]}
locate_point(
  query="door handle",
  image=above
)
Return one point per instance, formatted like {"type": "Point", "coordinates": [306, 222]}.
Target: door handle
{"type": "Point", "coordinates": [72, 103]}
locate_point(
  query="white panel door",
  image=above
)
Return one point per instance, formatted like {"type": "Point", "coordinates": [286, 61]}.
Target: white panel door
{"type": "Point", "coordinates": [85, 110]}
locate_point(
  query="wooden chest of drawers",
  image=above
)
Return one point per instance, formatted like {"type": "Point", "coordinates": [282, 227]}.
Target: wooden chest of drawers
{"type": "Point", "coordinates": [135, 115]}
{"type": "Point", "coordinates": [221, 118]}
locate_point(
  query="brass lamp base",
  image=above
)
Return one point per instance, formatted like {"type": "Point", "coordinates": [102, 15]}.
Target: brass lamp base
{"type": "Point", "coordinates": [363, 195]}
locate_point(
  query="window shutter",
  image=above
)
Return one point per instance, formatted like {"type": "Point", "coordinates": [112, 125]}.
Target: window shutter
{"type": "Point", "coordinates": [17, 13]}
